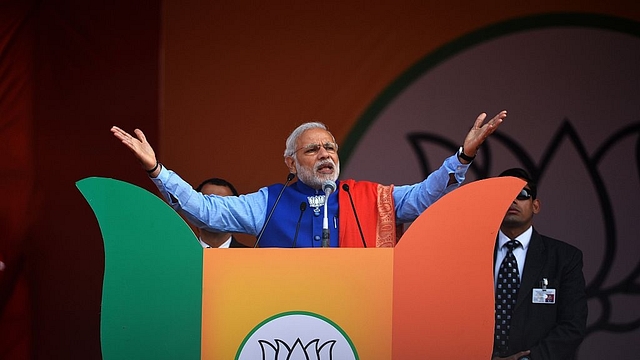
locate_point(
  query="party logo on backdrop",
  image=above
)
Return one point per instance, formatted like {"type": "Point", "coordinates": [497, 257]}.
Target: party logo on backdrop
{"type": "Point", "coordinates": [297, 335]}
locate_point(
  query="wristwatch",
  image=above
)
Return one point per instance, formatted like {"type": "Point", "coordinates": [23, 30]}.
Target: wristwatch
{"type": "Point", "coordinates": [464, 156]}
{"type": "Point", "coordinates": [526, 357]}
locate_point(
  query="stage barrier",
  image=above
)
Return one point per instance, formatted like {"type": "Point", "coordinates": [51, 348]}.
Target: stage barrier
{"type": "Point", "coordinates": [430, 297]}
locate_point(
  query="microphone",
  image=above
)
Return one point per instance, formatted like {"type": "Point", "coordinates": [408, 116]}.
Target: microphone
{"type": "Point", "coordinates": [289, 178]}
{"type": "Point", "coordinates": [345, 187]}
{"type": "Point", "coordinates": [328, 187]}
{"type": "Point", "coordinates": [303, 207]}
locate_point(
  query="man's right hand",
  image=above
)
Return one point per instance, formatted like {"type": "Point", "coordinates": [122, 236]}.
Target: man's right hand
{"type": "Point", "coordinates": [140, 147]}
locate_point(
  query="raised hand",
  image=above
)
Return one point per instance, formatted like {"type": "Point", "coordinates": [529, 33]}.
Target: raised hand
{"type": "Point", "coordinates": [480, 131]}
{"type": "Point", "coordinates": [139, 146]}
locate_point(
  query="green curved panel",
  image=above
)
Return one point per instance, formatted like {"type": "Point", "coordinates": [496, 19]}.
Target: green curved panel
{"type": "Point", "coordinates": [152, 291]}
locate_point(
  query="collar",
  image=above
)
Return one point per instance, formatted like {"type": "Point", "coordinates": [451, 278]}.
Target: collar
{"type": "Point", "coordinates": [225, 244]}
{"type": "Point", "coordinates": [524, 238]}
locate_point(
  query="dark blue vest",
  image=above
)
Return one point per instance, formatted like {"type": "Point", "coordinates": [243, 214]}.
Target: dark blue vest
{"type": "Point", "coordinates": [281, 229]}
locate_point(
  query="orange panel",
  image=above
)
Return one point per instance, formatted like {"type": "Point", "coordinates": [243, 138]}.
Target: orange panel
{"type": "Point", "coordinates": [443, 274]}
{"type": "Point", "coordinates": [244, 288]}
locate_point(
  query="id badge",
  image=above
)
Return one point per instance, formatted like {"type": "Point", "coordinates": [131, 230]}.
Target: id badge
{"type": "Point", "coordinates": [544, 296]}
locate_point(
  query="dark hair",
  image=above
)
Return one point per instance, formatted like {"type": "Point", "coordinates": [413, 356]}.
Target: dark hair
{"type": "Point", "coordinates": [524, 175]}
{"type": "Point", "coordinates": [218, 182]}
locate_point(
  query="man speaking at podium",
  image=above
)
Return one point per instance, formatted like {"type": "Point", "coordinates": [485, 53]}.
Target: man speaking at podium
{"type": "Point", "coordinates": [317, 210]}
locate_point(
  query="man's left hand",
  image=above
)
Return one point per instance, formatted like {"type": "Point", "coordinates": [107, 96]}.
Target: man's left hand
{"type": "Point", "coordinates": [480, 131]}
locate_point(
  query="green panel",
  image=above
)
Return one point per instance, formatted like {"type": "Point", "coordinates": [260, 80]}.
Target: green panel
{"type": "Point", "coordinates": [152, 291]}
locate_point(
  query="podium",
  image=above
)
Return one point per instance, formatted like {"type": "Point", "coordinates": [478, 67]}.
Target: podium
{"type": "Point", "coordinates": [164, 297]}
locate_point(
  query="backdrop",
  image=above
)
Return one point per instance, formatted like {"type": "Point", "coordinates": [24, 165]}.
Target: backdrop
{"type": "Point", "coordinates": [217, 87]}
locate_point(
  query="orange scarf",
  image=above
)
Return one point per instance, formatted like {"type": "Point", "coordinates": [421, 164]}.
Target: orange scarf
{"type": "Point", "coordinates": [376, 212]}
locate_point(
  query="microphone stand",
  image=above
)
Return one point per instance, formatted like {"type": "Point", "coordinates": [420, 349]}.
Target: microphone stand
{"type": "Point", "coordinates": [325, 224]}
{"type": "Point", "coordinates": [328, 187]}
{"type": "Point", "coordinates": [289, 178]}
{"type": "Point", "coordinates": [345, 187]}
{"type": "Point", "coordinates": [303, 207]}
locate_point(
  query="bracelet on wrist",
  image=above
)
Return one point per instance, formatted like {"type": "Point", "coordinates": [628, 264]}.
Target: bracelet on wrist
{"type": "Point", "coordinates": [154, 168]}
{"type": "Point", "coordinates": [464, 156]}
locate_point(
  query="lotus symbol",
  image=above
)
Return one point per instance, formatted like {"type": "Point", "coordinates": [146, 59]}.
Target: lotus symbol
{"type": "Point", "coordinates": [297, 335]}
{"type": "Point", "coordinates": [313, 350]}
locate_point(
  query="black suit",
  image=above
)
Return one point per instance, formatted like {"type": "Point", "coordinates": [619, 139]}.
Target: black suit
{"type": "Point", "coordinates": [550, 331]}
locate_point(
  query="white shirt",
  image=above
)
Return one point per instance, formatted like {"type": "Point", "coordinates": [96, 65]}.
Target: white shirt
{"type": "Point", "coordinates": [225, 244]}
{"type": "Point", "coordinates": [520, 252]}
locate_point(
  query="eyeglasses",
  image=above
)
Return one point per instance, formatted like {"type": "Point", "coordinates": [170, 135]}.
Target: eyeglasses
{"type": "Point", "coordinates": [313, 149]}
{"type": "Point", "coordinates": [525, 194]}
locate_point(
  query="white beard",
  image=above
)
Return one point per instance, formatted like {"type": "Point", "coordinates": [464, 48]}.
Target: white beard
{"type": "Point", "coordinates": [312, 178]}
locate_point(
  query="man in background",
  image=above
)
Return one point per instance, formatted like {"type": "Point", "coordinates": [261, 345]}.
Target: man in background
{"type": "Point", "coordinates": [541, 304]}
{"type": "Point", "coordinates": [208, 239]}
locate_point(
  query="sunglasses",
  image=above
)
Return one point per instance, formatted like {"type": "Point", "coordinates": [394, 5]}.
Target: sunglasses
{"type": "Point", "coordinates": [525, 194]}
